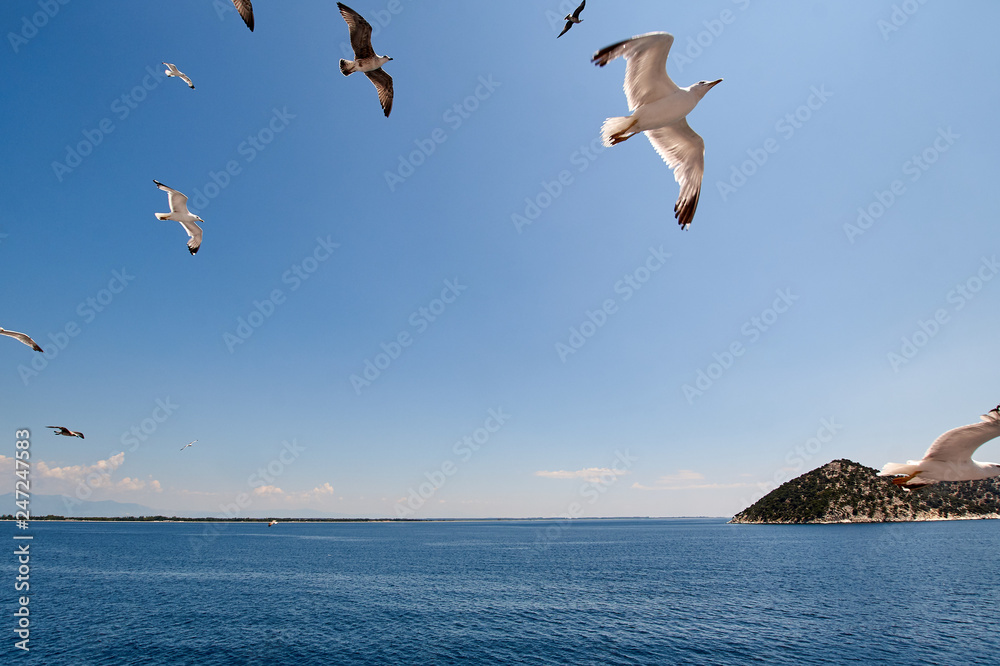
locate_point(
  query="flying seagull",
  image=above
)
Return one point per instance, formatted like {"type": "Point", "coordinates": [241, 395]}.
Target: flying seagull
{"type": "Point", "coordinates": [22, 337]}
{"type": "Point", "coordinates": [173, 71]}
{"type": "Point", "coordinates": [572, 18]}
{"type": "Point", "coordinates": [188, 444]}
{"type": "Point", "coordinates": [179, 213]}
{"type": "Point", "coordinates": [246, 12]}
{"type": "Point", "coordinates": [660, 109]}
{"type": "Point", "coordinates": [365, 58]}
{"type": "Point", "coordinates": [950, 456]}
{"type": "Point", "coordinates": [66, 431]}
{"type": "Point", "coordinates": [272, 523]}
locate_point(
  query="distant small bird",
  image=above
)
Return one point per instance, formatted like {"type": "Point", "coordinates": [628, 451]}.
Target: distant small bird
{"type": "Point", "coordinates": [188, 444]}
{"type": "Point", "coordinates": [572, 18]}
{"type": "Point", "coordinates": [950, 456]}
{"type": "Point", "coordinates": [272, 523]}
{"type": "Point", "coordinates": [660, 109]}
{"type": "Point", "coordinates": [365, 59]}
{"type": "Point", "coordinates": [246, 12]}
{"type": "Point", "coordinates": [179, 213]}
{"type": "Point", "coordinates": [173, 71]}
{"type": "Point", "coordinates": [66, 431]}
{"type": "Point", "coordinates": [22, 337]}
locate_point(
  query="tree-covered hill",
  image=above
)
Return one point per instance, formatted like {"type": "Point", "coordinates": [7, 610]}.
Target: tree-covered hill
{"type": "Point", "coordinates": [846, 491]}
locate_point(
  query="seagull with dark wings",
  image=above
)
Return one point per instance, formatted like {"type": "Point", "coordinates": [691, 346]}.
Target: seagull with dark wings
{"type": "Point", "coordinates": [365, 58]}
{"type": "Point", "coordinates": [66, 431]}
{"type": "Point", "coordinates": [572, 19]}
{"type": "Point", "coordinates": [246, 12]}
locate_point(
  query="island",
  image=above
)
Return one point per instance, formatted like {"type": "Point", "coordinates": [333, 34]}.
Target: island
{"type": "Point", "coordinates": [843, 491]}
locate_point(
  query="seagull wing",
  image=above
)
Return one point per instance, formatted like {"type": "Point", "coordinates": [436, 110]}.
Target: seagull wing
{"type": "Point", "coordinates": [383, 83]}
{"type": "Point", "coordinates": [22, 337]}
{"type": "Point", "coordinates": [646, 78]}
{"type": "Point", "coordinates": [62, 429]}
{"type": "Point", "coordinates": [173, 68]}
{"type": "Point", "coordinates": [958, 444]}
{"type": "Point", "coordinates": [684, 152]}
{"type": "Point", "coordinates": [194, 231]}
{"type": "Point", "coordinates": [569, 24]}
{"type": "Point", "coordinates": [246, 12]}
{"type": "Point", "coordinates": [178, 201]}
{"type": "Point", "coordinates": [576, 14]}
{"type": "Point", "coordinates": [186, 79]}
{"type": "Point", "coordinates": [361, 32]}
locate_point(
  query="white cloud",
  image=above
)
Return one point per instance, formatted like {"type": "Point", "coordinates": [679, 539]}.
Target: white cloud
{"type": "Point", "coordinates": [592, 474]}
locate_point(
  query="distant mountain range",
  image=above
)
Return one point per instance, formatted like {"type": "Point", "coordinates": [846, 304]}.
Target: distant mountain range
{"type": "Point", "coordinates": [843, 491]}
{"type": "Point", "coordinates": [62, 505]}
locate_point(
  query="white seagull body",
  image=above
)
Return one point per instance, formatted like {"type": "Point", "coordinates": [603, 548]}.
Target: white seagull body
{"type": "Point", "coordinates": [572, 19]}
{"type": "Point", "coordinates": [272, 523]}
{"type": "Point", "coordinates": [188, 444]}
{"type": "Point", "coordinates": [179, 213]}
{"type": "Point", "coordinates": [246, 12]}
{"type": "Point", "coordinates": [22, 337]}
{"type": "Point", "coordinates": [950, 456]}
{"type": "Point", "coordinates": [365, 58]}
{"type": "Point", "coordinates": [660, 109]}
{"type": "Point", "coordinates": [66, 431]}
{"type": "Point", "coordinates": [173, 71]}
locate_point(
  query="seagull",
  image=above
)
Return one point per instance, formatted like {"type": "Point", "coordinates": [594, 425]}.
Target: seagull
{"type": "Point", "coordinates": [173, 71]}
{"type": "Point", "coordinates": [188, 444]}
{"type": "Point", "coordinates": [66, 431]}
{"type": "Point", "coordinates": [572, 18]}
{"type": "Point", "coordinates": [366, 59]}
{"type": "Point", "coordinates": [22, 337]}
{"type": "Point", "coordinates": [660, 109]}
{"type": "Point", "coordinates": [246, 12]}
{"type": "Point", "coordinates": [950, 456]}
{"type": "Point", "coordinates": [179, 213]}
{"type": "Point", "coordinates": [272, 523]}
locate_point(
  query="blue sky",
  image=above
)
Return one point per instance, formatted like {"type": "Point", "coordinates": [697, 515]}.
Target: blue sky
{"type": "Point", "coordinates": [539, 336]}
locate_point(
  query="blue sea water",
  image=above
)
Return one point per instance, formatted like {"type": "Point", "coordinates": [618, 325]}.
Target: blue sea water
{"type": "Point", "coordinates": [682, 591]}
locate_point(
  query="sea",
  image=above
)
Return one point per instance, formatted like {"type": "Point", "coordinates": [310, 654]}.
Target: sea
{"type": "Point", "coordinates": [615, 591]}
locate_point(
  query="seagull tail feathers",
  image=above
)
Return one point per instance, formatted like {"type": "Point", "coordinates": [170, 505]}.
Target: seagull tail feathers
{"type": "Point", "coordinates": [162, 216]}
{"type": "Point", "coordinates": [614, 130]}
{"type": "Point", "coordinates": [346, 66]}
